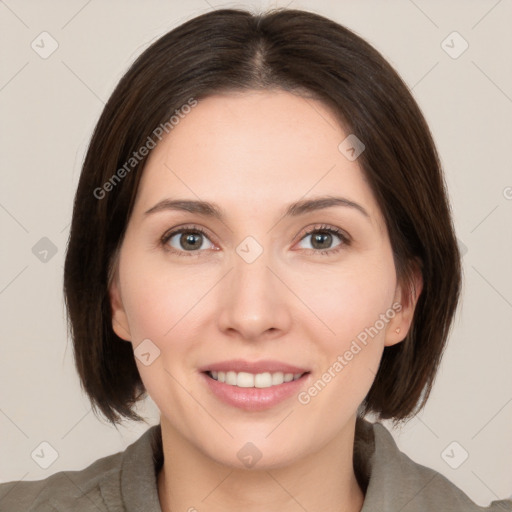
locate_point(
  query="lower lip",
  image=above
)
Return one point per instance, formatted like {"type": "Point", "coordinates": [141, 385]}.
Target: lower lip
{"type": "Point", "coordinates": [254, 399]}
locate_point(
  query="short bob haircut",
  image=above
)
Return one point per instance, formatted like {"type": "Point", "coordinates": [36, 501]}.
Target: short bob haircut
{"type": "Point", "coordinates": [305, 54]}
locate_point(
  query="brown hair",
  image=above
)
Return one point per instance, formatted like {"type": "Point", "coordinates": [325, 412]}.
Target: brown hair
{"type": "Point", "coordinates": [301, 52]}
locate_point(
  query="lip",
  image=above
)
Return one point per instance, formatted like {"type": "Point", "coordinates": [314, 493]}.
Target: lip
{"type": "Point", "coordinates": [254, 399]}
{"type": "Point", "coordinates": [241, 365]}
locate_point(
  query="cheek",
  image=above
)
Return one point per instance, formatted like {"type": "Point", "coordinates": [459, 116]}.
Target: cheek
{"type": "Point", "coordinates": [162, 306]}
{"type": "Point", "coordinates": [160, 298]}
{"type": "Point", "coordinates": [351, 306]}
{"type": "Point", "coordinates": [349, 356]}
{"type": "Point", "coordinates": [167, 305]}
{"type": "Point", "coordinates": [348, 300]}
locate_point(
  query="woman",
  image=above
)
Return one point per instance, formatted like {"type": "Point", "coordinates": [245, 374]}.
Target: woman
{"type": "Point", "coordinates": [262, 242]}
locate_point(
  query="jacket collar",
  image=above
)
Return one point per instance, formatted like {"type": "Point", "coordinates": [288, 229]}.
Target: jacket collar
{"type": "Point", "coordinates": [390, 480]}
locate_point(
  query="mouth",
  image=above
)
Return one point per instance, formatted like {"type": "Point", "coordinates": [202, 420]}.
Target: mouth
{"type": "Point", "coordinates": [251, 380]}
{"type": "Point", "coordinates": [253, 374]}
{"type": "Point", "coordinates": [254, 386]}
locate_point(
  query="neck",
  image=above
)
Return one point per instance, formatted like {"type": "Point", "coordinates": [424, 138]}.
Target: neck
{"type": "Point", "coordinates": [324, 480]}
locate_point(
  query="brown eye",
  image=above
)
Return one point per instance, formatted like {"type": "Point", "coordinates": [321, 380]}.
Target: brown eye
{"type": "Point", "coordinates": [190, 241]}
{"type": "Point", "coordinates": [186, 240]}
{"type": "Point", "coordinates": [322, 239]}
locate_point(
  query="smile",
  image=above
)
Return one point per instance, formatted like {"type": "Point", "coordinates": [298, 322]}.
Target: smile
{"type": "Point", "coordinates": [250, 380]}
{"type": "Point", "coordinates": [254, 392]}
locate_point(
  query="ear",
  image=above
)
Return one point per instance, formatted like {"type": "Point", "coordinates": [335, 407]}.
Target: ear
{"type": "Point", "coordinates": [119, 318]}
{"type": "Point", "coordinates": [406, 298]}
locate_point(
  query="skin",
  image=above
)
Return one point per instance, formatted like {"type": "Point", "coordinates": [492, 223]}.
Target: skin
{"type": "Point", "coordinates": [253, 153]}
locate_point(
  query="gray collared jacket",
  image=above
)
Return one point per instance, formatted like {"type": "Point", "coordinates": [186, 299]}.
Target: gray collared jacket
{"type": "Point", "coordinates": [126, 481]}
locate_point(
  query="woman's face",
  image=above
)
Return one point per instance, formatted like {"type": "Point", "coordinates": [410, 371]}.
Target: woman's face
{"type": "Point", "coordinates": [260, 282]}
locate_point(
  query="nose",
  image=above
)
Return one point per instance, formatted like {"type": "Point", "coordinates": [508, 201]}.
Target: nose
{"type": "Point", "coordinates": [254, 302]}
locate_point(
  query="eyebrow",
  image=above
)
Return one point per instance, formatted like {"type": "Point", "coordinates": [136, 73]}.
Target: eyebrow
{"type": "Point", "coordinates": [209, 209]}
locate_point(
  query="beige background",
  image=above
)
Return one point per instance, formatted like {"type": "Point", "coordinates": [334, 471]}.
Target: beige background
{"type": "Point", "coordinates": [48, 110]}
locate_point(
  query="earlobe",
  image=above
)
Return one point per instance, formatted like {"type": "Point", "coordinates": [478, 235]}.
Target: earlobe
{"type": "Point", "coordinates": [119, 319]}
{"type": "Point", "coordinates": [408, 297]}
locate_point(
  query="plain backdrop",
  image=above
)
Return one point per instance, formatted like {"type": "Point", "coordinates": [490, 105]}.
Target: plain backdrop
{"type": "Point", "coordinates": [49, 107]}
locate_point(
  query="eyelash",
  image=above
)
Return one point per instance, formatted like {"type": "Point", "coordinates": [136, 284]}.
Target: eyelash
{"type": "Point", "coordinates": [345, 240]}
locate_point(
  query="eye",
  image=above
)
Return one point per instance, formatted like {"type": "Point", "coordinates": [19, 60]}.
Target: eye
{"type": "Point", "coordinates": [322, 237]}
{"type": "Point", "coordinates": [192, 240]}
{"type": "Point", "coordinates": [186, 241]}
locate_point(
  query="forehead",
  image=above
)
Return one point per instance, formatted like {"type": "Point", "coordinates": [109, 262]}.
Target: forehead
{"type": "Point", "coordinates": [246, 149]}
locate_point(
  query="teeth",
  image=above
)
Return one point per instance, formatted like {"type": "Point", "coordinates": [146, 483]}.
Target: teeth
{"type": "Point", "coordinates": [250, 380]}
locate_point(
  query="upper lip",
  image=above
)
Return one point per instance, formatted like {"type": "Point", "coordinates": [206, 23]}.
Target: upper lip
{"type": "Point", "coordinates": [240, 365]}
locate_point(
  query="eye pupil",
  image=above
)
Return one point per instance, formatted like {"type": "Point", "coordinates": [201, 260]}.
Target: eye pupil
{"type": "Point", "coordinates": [321, 238]}
{"type": "Point", "coordinates": [189, 240]}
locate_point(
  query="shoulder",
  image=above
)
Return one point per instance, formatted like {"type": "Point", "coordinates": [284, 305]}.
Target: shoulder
{"type": "Point", "coordinates": [398, 483]}
{"type": "Point", "coordinates": [96, 488]}
{"type": "Point", "coordinates": [65, 490]}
